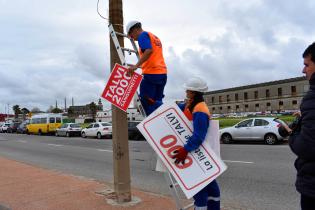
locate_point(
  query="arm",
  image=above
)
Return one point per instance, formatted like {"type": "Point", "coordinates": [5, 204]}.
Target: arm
{"type": "Point", "coordinates": [146, 47]}
{"type": "Point", "coordinates": [302, 142]}
{"type": "Point", "coordinates": [200, 124]}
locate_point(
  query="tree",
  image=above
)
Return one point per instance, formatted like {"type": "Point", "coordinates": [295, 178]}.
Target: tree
{"type": "Point", "coordinates": [36, 110]}
{"type": "Point", "coordinates": [56, 110]}
{"type": "Point", "coordinates": [17, 111]}
{"type": "Point", "coordinates": [93, 108]}
{"type": "Point", "coordinates": [24, 112]}
{"type": "Point", "coordinates": [49, 110]}
{"type": "Point", "coordinates": [70, 112]}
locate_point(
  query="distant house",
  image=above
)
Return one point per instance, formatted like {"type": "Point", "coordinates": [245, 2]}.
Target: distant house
{"type": "Point", "coordinates": [4, 117]}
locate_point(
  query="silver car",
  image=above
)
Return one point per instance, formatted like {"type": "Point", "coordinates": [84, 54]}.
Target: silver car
{"type": "Point", "coordinates": [262, 128]}
{"type": "Point", "coordinates": [69, 129]}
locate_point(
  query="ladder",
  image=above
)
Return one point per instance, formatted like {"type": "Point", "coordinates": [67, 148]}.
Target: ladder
{"type": "Point", "coordinates": [172, 184]}
{"type": "Point", "coordinates": [121, 50]}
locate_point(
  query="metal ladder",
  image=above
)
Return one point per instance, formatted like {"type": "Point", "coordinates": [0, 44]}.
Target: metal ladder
{"type": "Point", "coordinates": [173, 185]}
{"type": "Point", "coordinates": [121, 50]}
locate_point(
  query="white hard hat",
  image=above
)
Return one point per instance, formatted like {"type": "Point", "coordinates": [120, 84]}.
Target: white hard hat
{"type": "Point", "coordinates": [130, 25]}
{"type": "Point", "coordinates": [196, 84]}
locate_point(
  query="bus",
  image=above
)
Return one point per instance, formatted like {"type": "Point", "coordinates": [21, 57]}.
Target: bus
{"type": "Point", "coordinates": [44, 124]}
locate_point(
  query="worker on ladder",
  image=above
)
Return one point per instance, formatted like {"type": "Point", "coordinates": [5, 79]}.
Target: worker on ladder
{"type": "Point", "coordinates": [153, 66]}
{"type": "Point", "coordinates": [197, 111]}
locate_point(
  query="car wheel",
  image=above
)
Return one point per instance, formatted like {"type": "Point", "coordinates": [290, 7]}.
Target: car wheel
{"type": "Point", "coordinates": [39, 132]}
{"type": "Point", "coordinates": [226, 138]}
{"type": "Point", "coordinates": [68, 134]}
{"type": "Point", "coordinates": [83, 135]}
{"type": "Point", "coordinates": [27, 132]}
{"type": "Point", "coordinates": [56, 134]}
{"type": "Point", "coordinates": [270, 139]}
{"type": "Point", "coordinates": [99, 135]}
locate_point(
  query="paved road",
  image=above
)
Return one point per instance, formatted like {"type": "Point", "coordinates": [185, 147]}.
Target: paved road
{"type": "Point", "coordinates": [258, 176]}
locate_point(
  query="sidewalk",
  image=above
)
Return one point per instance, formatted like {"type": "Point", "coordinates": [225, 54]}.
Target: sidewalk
{"type": "Point", "coordinates": [25, 187]}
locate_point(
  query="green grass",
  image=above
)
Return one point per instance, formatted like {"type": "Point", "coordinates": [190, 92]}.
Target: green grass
{"type": "Point", "coordinates": [228, 122]}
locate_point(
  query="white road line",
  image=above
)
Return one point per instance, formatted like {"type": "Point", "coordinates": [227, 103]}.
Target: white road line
{"type": "Point", "coordinates": [55, 145]}
{"type": "Point", "coordinates": [104, 150]}
{"type": "Point", "coordinates": [22, 141]}
{"type": "Point", "coordinates": [236, 161]}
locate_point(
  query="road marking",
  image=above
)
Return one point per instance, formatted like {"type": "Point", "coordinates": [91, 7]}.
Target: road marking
{"type": "Point", "coordinates": [236, 161]}
{"type": "Point", "coordinates": [104, 150]}
{"type": "Point", "coordinates": [55, 145]}
{"type": "Point", "coordinates": [22, 141]}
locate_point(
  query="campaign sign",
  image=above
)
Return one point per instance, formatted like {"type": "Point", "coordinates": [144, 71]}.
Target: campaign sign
{"type": "Point", "coordinates": [166, 130]}
{"type": "Point", "coordinates": [121, 87]}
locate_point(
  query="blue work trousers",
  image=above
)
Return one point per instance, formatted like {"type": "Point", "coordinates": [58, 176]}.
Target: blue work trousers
{"type": "Point", "coordinates": [208, 198]}
{"type": "Point", "coordinates": [152, 86]}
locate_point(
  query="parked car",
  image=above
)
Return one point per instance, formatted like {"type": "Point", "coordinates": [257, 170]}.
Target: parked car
{"type": "Point", "coordinates": [133, 132]}
{"type": "Point", "coordinates": [69, 129]}
{"type": "Point", "coordinates": [13, 127]}
{"type": "Point", "coordinates": [22, 127]}
{"type": "Point", "coordinates": [98, 129]}
{"type": "Point", "coordinates": [4, 128]}
{"type": "Point", "coordinates": [262, 128]}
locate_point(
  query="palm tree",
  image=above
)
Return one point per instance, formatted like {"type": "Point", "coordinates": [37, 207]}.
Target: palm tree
{"type": "Point", "coordinates": [17, 111]}
{"type": "Point", "coordinates": [93, 109]}
{"type": "Point", "coordinates": [24, 112]}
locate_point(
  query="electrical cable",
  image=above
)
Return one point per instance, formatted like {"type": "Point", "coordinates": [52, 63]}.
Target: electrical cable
{"type": "Point", "coordinates": [97, 9]}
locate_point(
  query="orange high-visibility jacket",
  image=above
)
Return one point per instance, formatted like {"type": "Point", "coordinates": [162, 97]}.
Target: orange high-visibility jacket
{"type": "Point", "coordinates": [155, 64]}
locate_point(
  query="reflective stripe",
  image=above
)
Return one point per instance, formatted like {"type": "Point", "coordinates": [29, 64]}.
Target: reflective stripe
{"type": "Point", "coordinates": [213, 198]}
{"type": "Point", "coordinates": [200, 207]}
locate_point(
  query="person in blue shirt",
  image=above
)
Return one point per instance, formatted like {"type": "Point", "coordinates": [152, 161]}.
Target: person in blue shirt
{"type": "Point", "coordinates": [196, 110]}
{"type": "Point", "coordinates": [152, 64]}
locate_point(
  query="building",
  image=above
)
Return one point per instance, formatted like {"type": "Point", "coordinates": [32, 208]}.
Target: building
{"type": "Point", "coordinates": [84, 110]}
{"type": "Point", "coordinates": [5, 117]}
{"type": "Point", "coordinates": [275, 96]}
{"type": "Point", "coordinates": [106, 115]}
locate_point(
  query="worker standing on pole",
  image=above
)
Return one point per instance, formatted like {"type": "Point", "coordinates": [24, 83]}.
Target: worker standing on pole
{"type": "Point", "coordinates": [153, 66]}
{"type": "Point", "coordinates": [196, 110]}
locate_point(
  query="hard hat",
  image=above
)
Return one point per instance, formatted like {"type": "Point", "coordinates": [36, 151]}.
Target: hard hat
{"type": "Point", "coordinates": [130, 25]}
{"type": "Point", "coordinates": [196, 84]}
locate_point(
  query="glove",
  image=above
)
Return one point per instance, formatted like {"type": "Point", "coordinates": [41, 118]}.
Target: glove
{"type": "Point", "coordinates": [180, 155]}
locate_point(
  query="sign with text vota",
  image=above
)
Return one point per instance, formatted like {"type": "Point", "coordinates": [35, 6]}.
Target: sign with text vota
{"type": "Point", "coordinates": [166, 130]}
{"type": "Point", "coordinates": [121, 87]}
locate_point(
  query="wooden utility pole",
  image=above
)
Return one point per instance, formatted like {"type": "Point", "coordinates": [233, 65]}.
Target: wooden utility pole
{"type": "Point", "coordinates": [119, 117]}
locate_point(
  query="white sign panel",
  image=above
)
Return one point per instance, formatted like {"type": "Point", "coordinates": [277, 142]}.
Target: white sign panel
{"type": "Point", "coordinates": [166, 130]}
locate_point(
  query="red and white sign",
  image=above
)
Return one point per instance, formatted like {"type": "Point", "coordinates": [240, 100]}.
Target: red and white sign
{"type": "Point", "coordinates": [121, 87]}
{"type": "Point", "coordinates": [166, 130]}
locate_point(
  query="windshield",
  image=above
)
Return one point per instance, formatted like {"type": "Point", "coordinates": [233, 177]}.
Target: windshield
{"type": "Point", "coordinates": [106, 124]}
{"type": "Point", "coordinates": [75, 126]}
{"type": "Point", "coordinates": [279, 121]}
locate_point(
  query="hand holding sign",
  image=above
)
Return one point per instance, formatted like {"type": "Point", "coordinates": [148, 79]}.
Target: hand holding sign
{"type": "Point", "coordinates": [121, 87]}
{"type": "Point", "coordinates": [167, 130]}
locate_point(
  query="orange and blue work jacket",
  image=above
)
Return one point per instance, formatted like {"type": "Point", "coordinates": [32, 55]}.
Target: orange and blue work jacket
{"type": "Point", "coordinates": [200, 117]}
{"type": "Point", "coordinates": [155, 63]}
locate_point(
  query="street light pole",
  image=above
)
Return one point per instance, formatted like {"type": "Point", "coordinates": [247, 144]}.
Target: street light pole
{"type": "Point", "coordinates": [119, 117]}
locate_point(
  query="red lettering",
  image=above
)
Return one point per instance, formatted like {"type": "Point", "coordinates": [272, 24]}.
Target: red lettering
{"type": "Point", "coordinates": [168, 141]}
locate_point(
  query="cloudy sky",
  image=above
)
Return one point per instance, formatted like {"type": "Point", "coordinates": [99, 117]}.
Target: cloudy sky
{"type": "Point", "coordinates": [56, 49]}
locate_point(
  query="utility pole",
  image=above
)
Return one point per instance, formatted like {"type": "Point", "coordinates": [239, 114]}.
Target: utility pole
{"type": "Point", "coordinates": [119, 117]}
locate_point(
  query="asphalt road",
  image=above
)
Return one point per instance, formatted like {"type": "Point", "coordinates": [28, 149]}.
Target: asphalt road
{"type": "Point", "coordinates": [258, 177]}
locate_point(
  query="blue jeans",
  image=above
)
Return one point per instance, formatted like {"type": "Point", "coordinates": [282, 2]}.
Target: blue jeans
{"type": "Point", "coordinates": [152, 86]}
{"type": "Point", "coordinates": [208, 197]}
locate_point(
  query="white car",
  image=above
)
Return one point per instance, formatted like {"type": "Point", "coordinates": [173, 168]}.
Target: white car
{"type": "Point", "coordinates": [4, 127]}
{"type": "Point", "coordinates": [69, 129]}
{"type": "Point", "coordinates": [99, 130]}
{"type": "Point", "coordinates": [262, 128]}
